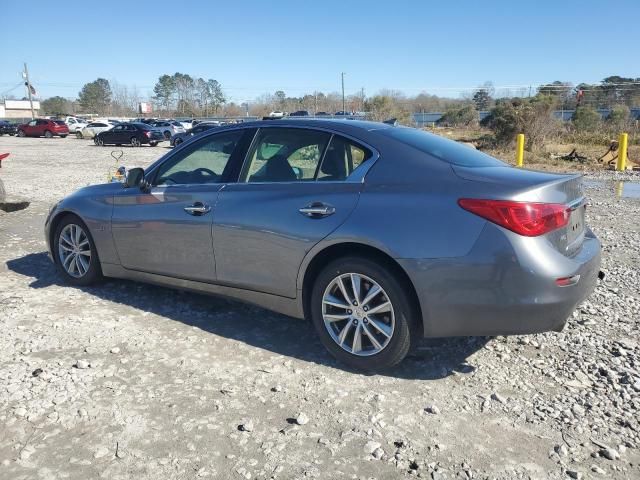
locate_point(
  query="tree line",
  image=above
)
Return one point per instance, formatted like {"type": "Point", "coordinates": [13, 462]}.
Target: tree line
{"type": "Point", "coordinates": [181, 94]}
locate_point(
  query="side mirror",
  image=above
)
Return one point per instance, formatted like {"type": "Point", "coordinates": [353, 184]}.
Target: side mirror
{"type": "Point", "coordinates": [135, 178]}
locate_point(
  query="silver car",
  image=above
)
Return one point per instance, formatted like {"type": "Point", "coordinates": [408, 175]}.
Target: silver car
{"type": "Point", "coordinates": [379, 234]}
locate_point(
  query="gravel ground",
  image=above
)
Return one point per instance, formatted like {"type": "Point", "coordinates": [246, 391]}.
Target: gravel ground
{"type": "Point", "coordinates": [126, 380]}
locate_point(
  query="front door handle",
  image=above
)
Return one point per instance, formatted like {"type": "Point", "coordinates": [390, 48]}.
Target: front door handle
{"type": "Point", "coordinates": [197, 208]}
{"type": "Point", "coordinates": [317, 210]}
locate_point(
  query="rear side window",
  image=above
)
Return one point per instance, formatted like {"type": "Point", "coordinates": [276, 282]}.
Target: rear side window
{"type": "Point", "coordinates": [294, 154]}
{"type": "Point", "coordinates": [285, 155]}
{"type": "Point", "coordinates": [442, 148]}
{"type": "Point", "coordinates": [341, 159]}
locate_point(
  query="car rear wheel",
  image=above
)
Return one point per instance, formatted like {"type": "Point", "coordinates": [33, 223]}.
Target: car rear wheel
{"type": "Point", "coordinates": [48, 134]}
{"type": "Point", "coordinates": [153, 144]}
{"type": "Point", "coordinates": [177, 142]}
{"type": "Point", "coordinates": [79, 135]}
{"type": "Point", "coordinates": [167, 134]}
{"type": "Point", "coordinates": [362, 313]}
{"type": "Point", "coordinates": [75, 253]}
{"type": "Point", "coordinates": [134, 142]}
{"type": "Point", "coordinates": [63, 136]}
{"type": "Point", "coordinates": [21, 133]}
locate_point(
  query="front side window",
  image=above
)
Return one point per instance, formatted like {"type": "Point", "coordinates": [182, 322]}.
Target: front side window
{"type": "Point", "coordinates": [204, 162]}
{"type": "Point", "coordinates": [285, 155]}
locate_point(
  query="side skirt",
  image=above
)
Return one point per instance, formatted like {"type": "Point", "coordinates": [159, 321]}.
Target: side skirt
{"type": "Point", "coordinates": [287, 306]}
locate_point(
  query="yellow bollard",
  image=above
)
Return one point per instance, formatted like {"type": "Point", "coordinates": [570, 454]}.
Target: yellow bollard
{"type": "Point", "coordinates": [520, 150]}
{"type": "Point", "coordinates": [622, 152]}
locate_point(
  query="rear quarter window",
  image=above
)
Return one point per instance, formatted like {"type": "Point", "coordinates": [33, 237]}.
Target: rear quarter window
{"type": "Point", "coordinates": [442, 148]}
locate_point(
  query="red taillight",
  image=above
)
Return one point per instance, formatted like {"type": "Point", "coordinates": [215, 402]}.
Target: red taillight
{"type": "Point", "coordinates": [525, 218]}
{"type": "Point", "coordinates": [148, 134]}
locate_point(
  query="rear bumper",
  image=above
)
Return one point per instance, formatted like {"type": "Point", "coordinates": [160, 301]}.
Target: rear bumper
{"type": "Point", "coordinates": [506, 285]}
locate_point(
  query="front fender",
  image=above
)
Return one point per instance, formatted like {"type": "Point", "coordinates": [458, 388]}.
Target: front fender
{"type": "Point", "coordinates": [94, 206]}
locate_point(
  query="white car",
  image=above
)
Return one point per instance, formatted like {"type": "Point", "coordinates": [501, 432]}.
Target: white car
{"type": "Point", "coordinates": [168, 127]}
{"type": "Point", "coordinates": [187, 124]}
{"type": "Point", "coordinates": [277, 114]}
{"type": "Point", "coordinates": [75, 124]}
{"type": "Point", "coordinates": [94, 128]}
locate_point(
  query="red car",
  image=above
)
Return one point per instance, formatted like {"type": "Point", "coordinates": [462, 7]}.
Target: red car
{"type": "Point", "coordinates": [42, 127]}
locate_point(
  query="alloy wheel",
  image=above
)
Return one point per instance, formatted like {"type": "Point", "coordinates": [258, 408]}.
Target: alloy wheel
{"type": "Point", "coordinates": [358, 314]}
{"type": "Point", "coordinates": [135, 142]}
{"type": "Point", "coordinates": [74, 250]}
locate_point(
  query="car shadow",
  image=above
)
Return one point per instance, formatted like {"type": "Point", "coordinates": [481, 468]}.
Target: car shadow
{"type": "Point", "coordinates": [431, 359]}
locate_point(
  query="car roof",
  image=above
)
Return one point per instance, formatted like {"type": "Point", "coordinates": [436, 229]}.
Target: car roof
{"type": "Point", "coordinates": [338, 124]}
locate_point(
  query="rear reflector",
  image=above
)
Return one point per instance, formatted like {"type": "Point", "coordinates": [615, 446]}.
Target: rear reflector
{"type": "Point", "coordinates": [530, 219]}
{"type": "Point", "coordinates": [567, 281]}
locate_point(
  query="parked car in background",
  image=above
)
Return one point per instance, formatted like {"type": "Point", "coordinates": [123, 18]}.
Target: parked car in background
{"type": "Point", "coordinates": [7, 128]}
{"type": "Point", "coordinates": [378, 234]}
{"type": "Point", "coordinates": [299, 113]}
{"type": "Point", "coordinates": [75, 124]}
{"type": "Point", "coordinates": [93, 128]}
{"type": "Point", "coordinates": [134, 134]}
{"type": "Point", "coordinates": [187, 124]}
{"type": "Point", "coordinates": [43, 127]}
{"type": "Point", "coordinates": [168, 127]}
{"type": "Point", "coordinates": [322, 114]}
{"type": "Point", "coordinates": [342, 114]}
{"type": "Point", "coordinates": [277, 114]}
{"type": "Point", "coordinates": [179, 138]}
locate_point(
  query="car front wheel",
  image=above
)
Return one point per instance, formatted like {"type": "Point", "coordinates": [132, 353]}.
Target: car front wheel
{"type": "Point", "coordinates": [362, 313]}
{"type": "Point", "coordinates": [75, 253]}
{"type": "Point", "coordinates": [48, 134]}
{"type": "Point", "coordinates": [21, 133]}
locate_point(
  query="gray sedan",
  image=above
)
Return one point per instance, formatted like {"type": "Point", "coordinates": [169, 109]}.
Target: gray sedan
{"type": "Point", "coordinates": [379, 234]}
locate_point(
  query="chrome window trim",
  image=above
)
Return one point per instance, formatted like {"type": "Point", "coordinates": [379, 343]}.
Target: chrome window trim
{"type": "Point", "coordinates": [357, 176]}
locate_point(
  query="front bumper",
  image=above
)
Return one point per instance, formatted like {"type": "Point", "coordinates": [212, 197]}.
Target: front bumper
{"type": "Point", "coordinates": [506, 285]}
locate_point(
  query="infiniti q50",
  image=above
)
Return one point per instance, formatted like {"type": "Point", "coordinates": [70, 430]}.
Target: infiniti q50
{"type": "Point", "coordinates": [379, 234]}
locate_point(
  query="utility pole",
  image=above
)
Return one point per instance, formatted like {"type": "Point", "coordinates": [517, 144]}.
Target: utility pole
{"type": "Point", "coordinates": [343, 105]}
{"type": "Point", "coordinates": [362, 99]}
{"type": "Point", "coordinates": [28, 84]}
{"type": "Point", "coordinates": [315, 97]}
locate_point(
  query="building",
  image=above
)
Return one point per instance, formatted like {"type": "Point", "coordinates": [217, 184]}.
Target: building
{"type": "Point", "coordinates": [18, 109]}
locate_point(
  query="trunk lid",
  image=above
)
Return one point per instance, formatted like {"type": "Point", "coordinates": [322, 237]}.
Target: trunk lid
{"type": "Point", "coordinates": [532, 186]}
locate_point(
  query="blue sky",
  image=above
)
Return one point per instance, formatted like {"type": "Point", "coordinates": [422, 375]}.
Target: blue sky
{"type": "Point", "coordinates": [254, 47]}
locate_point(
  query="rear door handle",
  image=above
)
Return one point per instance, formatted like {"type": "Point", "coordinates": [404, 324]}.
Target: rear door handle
{"type": "Point", "coordinates": [317, 210]}
{"type": "Point", "coordinates": [198, 208]}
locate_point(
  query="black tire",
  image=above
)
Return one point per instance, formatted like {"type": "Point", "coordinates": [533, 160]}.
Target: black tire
{"type": "Point", "coordinates": [79, 134]}
{"type": "Point", "coordinates": [167, 135]}
{"type": "Point", "coordinates": [153, 144]}
{"type": "Point", "coordinates": [94, 272]}
{"type": "Point", "coordinates": [177, 142]}
{"type": "Point", "coordinates": [405, 313]}
{"type": "Point", "coordinates": [48, 134]}
{"type": "Point", "coordinates": [21, 133]}
{"type": "Point", "coordinates": [135, 142]}
{"type": "Point", "coordinates": [63, 136]}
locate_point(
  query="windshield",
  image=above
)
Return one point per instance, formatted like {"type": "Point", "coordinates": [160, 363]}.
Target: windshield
{"type": "Point", "coordinates": [442, 148]}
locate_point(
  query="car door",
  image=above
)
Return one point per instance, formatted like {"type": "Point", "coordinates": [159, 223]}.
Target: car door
{"type": "Point", "coordinates": [111, 136]}
{"type": "Point", "coordinates": [41, 126]}
{"type": "Point", "coordinates": [166, 229]}
{"type": "Point", "coordinates": [293, 191]}
{"type": "Point", "coordinates": [30, 128]}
